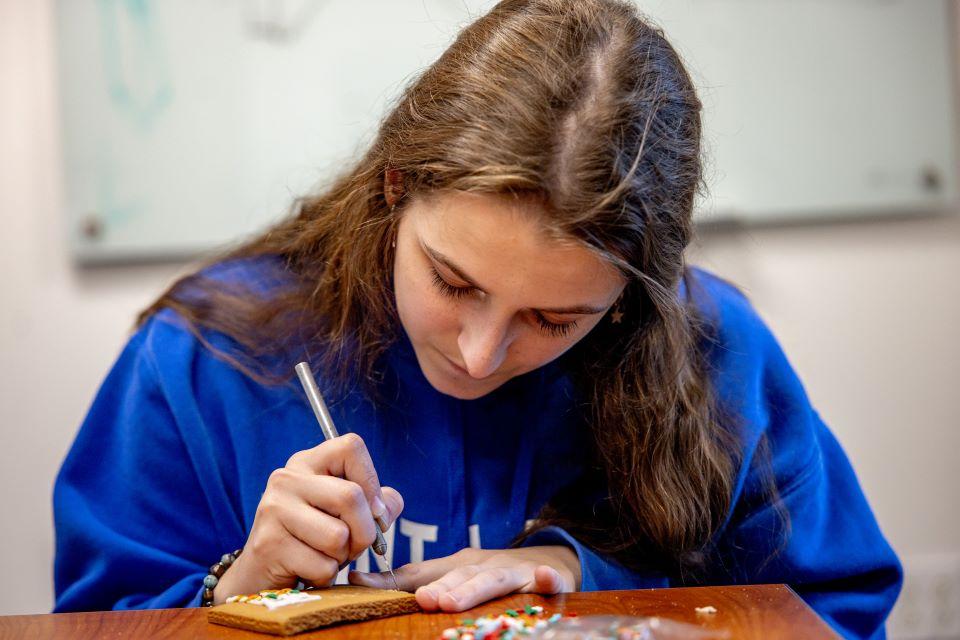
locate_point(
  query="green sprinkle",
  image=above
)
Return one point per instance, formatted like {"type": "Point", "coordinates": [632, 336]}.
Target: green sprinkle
{"type": "Point", "coordinates": [529, 610]}
{"type": "Point", "coordinates": [294, 590]}
{"type": "Point", "coordinates": [512, 613]}
{"type": "Point", "coordinates": [468, 622]}
{"type": "Point", "coordinates": [272, 595]}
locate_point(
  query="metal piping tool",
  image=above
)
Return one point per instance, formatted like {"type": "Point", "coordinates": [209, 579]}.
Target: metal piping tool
{"type": "Point", "coordinates": [329, 432]}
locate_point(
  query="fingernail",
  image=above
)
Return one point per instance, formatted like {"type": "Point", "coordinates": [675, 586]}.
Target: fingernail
{"type": "Point", "coordinates": [377, 507]}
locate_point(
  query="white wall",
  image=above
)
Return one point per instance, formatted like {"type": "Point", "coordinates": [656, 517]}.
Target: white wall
{"type": "Point", "coordinates": [60, 328]}
{"type": "Point", "coordinates": [868, 312]}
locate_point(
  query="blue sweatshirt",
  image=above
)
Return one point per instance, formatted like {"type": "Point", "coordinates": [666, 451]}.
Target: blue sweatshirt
{"type": "Point", "coordinates": [168, 468]}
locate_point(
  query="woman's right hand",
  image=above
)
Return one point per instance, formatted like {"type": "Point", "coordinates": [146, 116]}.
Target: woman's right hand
{"type": "Point", "coordinates": [316, 514]}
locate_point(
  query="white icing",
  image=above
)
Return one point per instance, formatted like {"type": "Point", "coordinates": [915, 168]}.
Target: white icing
{"type": "Point", "coordinates": [283, 599]}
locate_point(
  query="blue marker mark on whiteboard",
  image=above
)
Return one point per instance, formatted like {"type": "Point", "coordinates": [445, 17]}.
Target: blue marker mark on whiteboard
{"type": "Point", "coordinates": [138, 77]}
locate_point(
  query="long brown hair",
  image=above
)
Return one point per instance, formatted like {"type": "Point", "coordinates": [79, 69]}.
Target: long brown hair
{"type": "Point", "coordinates": [585, 106]}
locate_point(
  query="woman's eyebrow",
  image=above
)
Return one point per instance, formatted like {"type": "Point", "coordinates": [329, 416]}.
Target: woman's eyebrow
{"type": "Point", "coordinates": [580, 309]}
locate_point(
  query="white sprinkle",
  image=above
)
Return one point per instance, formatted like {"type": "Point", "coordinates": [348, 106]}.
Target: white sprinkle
{"type": "Point", "coordinates": [707, 610]}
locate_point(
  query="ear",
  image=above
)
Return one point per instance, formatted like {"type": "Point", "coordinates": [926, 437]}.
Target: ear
{"type": "Point", "coordinates": [392, 186]}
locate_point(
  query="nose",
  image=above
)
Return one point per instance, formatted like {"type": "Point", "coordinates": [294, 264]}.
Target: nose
{"type": "Point", "coordinates": [483, 344]}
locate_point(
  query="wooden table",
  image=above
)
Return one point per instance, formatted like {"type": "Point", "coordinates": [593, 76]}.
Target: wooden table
{"type": "Point", "coordinates": [760, 611]}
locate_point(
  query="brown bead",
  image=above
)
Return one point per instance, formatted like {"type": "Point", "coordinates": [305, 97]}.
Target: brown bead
{"type": "Point", "coordinates": [217, 569]}
{"type": "Point", "coordinates": [208, 597]}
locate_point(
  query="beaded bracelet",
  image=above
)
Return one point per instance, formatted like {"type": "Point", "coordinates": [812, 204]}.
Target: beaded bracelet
{"type": "Point", "coordinates": [216, 571]}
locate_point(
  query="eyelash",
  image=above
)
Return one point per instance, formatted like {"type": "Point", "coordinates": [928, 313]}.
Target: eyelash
{"type": "Point", "coordinates": [556, 329]}
{"type": "Point", "coordinates": [448, 289]}
{"type": "Point", "coordinates": [553, 328]}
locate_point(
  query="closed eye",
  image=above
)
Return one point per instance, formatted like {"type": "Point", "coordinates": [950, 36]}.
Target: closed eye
{"type": "Point", "coordinates": [447, 289]}
{"type": "Point", "coordinates": [557, 329]}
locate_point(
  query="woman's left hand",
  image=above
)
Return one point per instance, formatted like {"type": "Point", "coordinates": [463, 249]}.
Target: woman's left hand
{"type": "Point", "coordinates": [473, 576]}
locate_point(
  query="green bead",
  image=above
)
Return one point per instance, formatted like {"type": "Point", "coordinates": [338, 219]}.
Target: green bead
{"type": "Point", "coordinates": [210, 582]}
{"type": "Point", "coordinates": [227, 559]}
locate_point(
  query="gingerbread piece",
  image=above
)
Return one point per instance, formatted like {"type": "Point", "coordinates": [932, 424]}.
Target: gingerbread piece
{"type": "Point", "coordinates": [284, 612]}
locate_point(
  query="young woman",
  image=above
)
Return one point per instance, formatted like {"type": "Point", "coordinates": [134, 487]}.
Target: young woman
{"type": "Point", "coordinates": [495, 302]}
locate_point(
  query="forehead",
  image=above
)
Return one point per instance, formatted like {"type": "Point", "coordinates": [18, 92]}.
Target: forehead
{"type": "Point", "coordinates": [503, 244]}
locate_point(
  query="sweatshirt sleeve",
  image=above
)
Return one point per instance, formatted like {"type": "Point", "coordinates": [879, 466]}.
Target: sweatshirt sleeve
{"type": "Point", "coordinates": [816, 532]}
{"type": "Point", "coordinates": [132, 526]}
{"type": "Point", "coordinates": [824, 542]}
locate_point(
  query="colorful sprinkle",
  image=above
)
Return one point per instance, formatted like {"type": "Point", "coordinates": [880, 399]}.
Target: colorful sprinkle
{"type": "Point", "coordinates": [512, 625]}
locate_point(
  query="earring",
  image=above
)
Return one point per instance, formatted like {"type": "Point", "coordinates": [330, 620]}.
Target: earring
{"type": "Point", "coordinates": [394, 242]}
{"type": "Point", "coordinates": [616, 316]}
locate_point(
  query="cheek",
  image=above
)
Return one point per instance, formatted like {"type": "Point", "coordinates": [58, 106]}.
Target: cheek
{"type": "Point", "coordinates": [423, 313]}
{"type": "Point", "coordinates": [536, 349]}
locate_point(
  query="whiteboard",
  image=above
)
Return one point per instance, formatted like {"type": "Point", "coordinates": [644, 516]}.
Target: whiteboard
{"type": "Point", "coordinates": [190, 124]}
{"type": "Point", "coordinates": [822, 108]}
